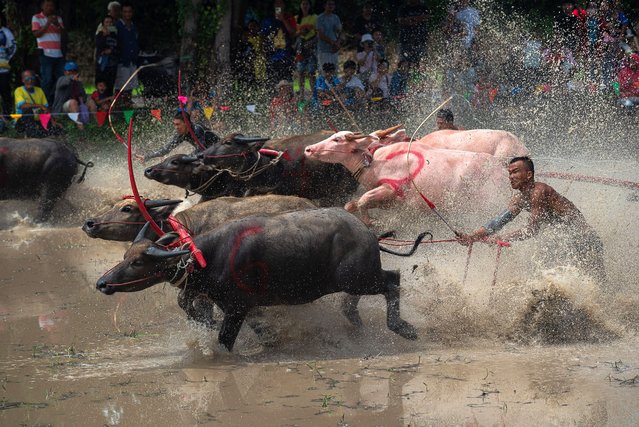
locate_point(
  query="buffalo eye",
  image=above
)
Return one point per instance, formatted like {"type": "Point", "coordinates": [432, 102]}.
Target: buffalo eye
{"type": "Point", "coordinates": [137, 263]}
{"type": "Point", "coordinates": [174, 163]}
{"type": "Point", "coordinates": [126, 208]}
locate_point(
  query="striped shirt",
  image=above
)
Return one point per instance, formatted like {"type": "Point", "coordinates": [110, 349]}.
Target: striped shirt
{"type": "Point", "coordinates": [51, 41]}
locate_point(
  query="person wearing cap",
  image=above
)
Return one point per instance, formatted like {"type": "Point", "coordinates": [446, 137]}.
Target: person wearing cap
{"type": "Point", "coordinates": [70, 94]}
{"type": "Point", "coordinates": [48, 28]}
{"type": "Point", "coordinates": [114, 10]}
{"type": "Point", "coordinates": [368, 58]}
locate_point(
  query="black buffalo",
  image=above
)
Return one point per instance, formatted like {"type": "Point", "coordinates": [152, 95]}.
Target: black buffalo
{"type": "Point", "coordinates": [290, 258]}
{"type": "Point", "coordinates": [37, 168]}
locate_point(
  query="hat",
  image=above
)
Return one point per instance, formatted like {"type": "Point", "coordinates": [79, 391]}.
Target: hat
{"type": "Point", "coordinates": [70, 66]}
{"type": "Point", "coordinates": [366, 38]}
{"type": "Point", "coordinates": [283, 83]}
{"type": "Point", "coordinates": [113, 4]}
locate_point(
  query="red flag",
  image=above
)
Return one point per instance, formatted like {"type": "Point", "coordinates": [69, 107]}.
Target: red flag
{"type": "Point", "coordinates": [44, 120]}
{"type": "Point", "coordinates": [100, 116]}
{"type": "Point", "coordinates": [157, 114]}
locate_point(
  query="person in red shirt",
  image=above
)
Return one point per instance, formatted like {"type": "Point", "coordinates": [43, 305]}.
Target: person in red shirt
{"type": "Point", "coordinates": [628, 78]}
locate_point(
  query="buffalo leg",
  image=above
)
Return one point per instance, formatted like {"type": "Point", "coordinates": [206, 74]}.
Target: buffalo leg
{"type": "Point", "coordinates": [350, 310]}
{"type": "Point", "coordinates": [231, 325]}
{"type": "Point", "coordinates": [197, 308]}
{"type": "Point", "coordinates": [264, 331]}
{"type": "Point", "coordinates": [393, 320]}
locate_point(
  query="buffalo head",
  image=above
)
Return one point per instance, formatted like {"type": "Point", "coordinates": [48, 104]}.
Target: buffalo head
{"type": "Point", "coordinates": [233, 152]}
{"type": "Point", "coordinates": [174, 170]}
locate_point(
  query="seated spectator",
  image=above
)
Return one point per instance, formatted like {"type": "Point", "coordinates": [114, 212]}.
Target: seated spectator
{"type": "Point", "coordinates": [100, 97]}
{"type": "Point", "coordinates": [628, 77]}
{"type": "Point", "coordinates": [31, 100]}
{"type": "Point", "coordinates": [445, 120]}
{"type": "Point", "coordinates": [70, 96]}
{"type": "Point", "coordinates": [326, 85]}
{"type": "Point", "coordinates": [368, 58]}
{"type": "Point", "coordinates": [379, 81]}
{"type": "Point", "coordinates": [283, 107]}
{"type": "Point", "coordinates": [399, 79]}
{"type": "Point", "coordinates": [352, 87]}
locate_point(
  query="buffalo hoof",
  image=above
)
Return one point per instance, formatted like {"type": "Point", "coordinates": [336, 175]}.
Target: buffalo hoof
{"type": "Point", "coordinates": [404, 329]}
{"type": "Point", "coordinates": [350, 311]}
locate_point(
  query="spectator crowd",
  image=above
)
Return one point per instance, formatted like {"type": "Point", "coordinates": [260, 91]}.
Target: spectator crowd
{"type": "Point", "coordinates": [339, 63]}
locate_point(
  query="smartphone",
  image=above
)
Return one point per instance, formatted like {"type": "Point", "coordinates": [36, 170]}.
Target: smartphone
{"type": "Point", "coordinates": [278, 10]}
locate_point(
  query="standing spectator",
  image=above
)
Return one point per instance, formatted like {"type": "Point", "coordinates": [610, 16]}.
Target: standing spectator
{"type": "Point", "coordinates": [378, 45]}
{"type": "Point", "coordinates": [251, 58]}
{"type": "Point", "coordinates": [306, 46]}
{"type": "Point", "coordinates": [329, 27]}
{"type": "Point", "coordinates": [366, 23]}
{"type": "Point", "coordinates": [7, 50]}
{"type": "Point", "coordinates": [283, 108]}
{"type": "Point", "coordinates": [48, 29]}
{"type": "Point", "coordinates": [413, 30]}
{"type": "Point", "coordinates": [128, 48]}
{"type": "Point", "coordinates": [352, 87]}
{"type": "Point", "coordinates": [379, 82]}
{"type": "Point", "coordinates": [114, 10]}
{"type": "Point", "coordinates": [567, 26]}
{"type": "Point", "coordinates": [367, 59]}
{"type": "Point", "coordinates": [629, 81]}
{"type": "Point", "coordinates": [106, 54]}
{"type": "Point", "coordinates": [278, 31]}
{"type": "Point", "coordinates": [70, 95]}
{"type": "Point", "coordinates": [31, 100]}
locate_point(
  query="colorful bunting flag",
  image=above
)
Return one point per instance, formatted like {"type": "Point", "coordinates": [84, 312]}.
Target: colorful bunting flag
{"type": "Point", "coordinates": [251, 108]}
{"type": "Point", "coordinates": [16, 116]}
{"type": "Point", "coordinates": [74, 116]}
{"type": "Point", "coordinates": [208, 112]}
{"type": "Point", "coordinates": [101, 116]}
{"type": "Point", "coordinates": [183, 99]}
{"type": "Point", "coordinates": [157, 113]}
{"type": "Point", "coordinates": [127, 115]}
{"type": "Point", "coordinates": [225, 107]}
{"type": "Point", "coordinates": [44, 120]}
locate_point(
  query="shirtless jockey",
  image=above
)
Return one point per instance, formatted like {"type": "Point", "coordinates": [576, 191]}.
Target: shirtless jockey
{"type": "Point", "coordinates": [546, 207]}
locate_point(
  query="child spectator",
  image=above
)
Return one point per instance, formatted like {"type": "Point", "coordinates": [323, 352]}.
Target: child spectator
{"type": "Point", "coordinates": [101, 97]}
{"type": "Point", "coordinates": [352, 87]}
{"type": "Point", "coordinates": [305, 46]}
{"type": "Point", "coordinates": [283, 107]}
{"type": "Point", "coordinates": [106, 54]}
{"type": "Point", "coordinates": [367, 59]}
{"type": "Point", "coordinates": [326, 85]}
{"type": "Point", "coordinates": [379, 82]}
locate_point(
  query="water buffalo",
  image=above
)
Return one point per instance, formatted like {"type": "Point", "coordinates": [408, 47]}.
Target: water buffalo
{"type": "Point", "coordinates": [459, 180]}
{"type": "Point", "coordinates": [123, 221]}
{"type": "Point", "coordinates": [37, 168]}
{"type": "Point", "coordinates": [285, 259]}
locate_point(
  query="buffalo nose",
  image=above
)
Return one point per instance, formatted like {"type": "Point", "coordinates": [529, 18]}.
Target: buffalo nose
{"type": "Point", "coordinates": [89, 224]}
{"type": "Point", "coordinates": [308, 150]}
{"type": "Point", "coordinates": [101, 283]}
{"type": "Point", "coordinates": [148, 171]}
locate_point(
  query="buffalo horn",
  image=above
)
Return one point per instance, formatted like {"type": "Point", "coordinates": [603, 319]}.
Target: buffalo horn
{"type": "Point", "coordinates": [167, 239]}
{"type": "Point", "coordinates": [249, 139]}
{"type": "Point", "coordinates": [355, 136]}
{"type": "Point", "coordinates": [151, 204]}
{"type": "Point", "coordinates": [188, 159]}
{"type": "Point", "coordinates": [155, 252]}
{"type": "Point", "coordinates": [142, 233]}
{"type": "Point", "coordinates": [385, 133]}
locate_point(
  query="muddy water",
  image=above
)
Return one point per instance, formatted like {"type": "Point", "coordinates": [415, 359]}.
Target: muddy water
{"type": "Point", "coordinates": [544, 346]}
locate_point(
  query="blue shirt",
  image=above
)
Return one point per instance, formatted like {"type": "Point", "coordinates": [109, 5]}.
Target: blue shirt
{"type": "Point", "coordinates": [128, 44]}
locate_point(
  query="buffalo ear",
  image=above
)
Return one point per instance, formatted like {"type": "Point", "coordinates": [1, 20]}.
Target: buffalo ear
{"type": "Point", "coordinates": [185, 160]}
{"type": "Point", "coordinates": [253, 142]}
{"type": "Point", "coordinates": [152, 204]}
{"type": "Point", "coordinates": [167, 239]}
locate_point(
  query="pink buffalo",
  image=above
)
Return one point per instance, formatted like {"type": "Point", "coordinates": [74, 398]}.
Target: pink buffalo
{"type": "Point", "coordinates": [456, 180]}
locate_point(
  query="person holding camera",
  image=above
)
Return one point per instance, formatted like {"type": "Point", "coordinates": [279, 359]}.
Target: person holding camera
{"type": "Point", "coordinates": [48, 28]}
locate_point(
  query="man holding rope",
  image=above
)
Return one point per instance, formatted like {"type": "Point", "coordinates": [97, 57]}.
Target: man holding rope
{"type": "Point", "coordinates": [185, 131]}
{"type": "Point", "coordinates": [546, 206]}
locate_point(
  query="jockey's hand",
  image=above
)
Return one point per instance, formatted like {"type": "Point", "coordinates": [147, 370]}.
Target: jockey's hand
{"type": "Point", "coordinates": [465, 239]}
